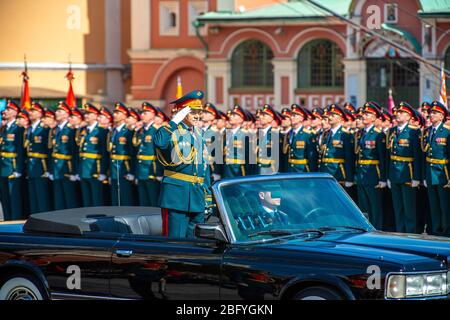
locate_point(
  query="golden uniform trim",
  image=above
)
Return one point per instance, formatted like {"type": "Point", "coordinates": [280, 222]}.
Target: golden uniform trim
{"type": "Point", "coordinates": [37, 155]}
{"type": "Point", "coordinates": [402, 159]}
{"type": "Point", "coordinates": [368, 162]}
{"type": "Point", "coordinates": [8, 154]}
{"type": "Point", "coordinates": [298, 161]}
{"type": "Point", "coordinates": [333, 160]}
{"type": "Point", "coordinates": [144, 157]}
{"type": "Point", "coordinates": [265, 161]}
{"type": "Point", "coordinates": [61, 156]}
{"type": "Point", "coordinates": [437, 161]}
{"type": "Point", "coordinates": [183, 177]}
{"type": "Point", "coordinates": [90, 155]}
{"type": "Point", "coordinates": [234, 161]}
{"type": "Point", "coordinates": [120, 157]}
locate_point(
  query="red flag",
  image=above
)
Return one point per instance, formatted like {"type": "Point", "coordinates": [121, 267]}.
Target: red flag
{"type": "Point", "coordinates": [25, 100]}
{"type": "Point", "coordinates": [70, 99]}
{"type": "Point", "coordinates": [391, 101]}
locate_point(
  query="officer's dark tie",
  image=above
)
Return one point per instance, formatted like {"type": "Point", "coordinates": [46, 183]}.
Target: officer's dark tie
{"type": "Point", "coordinates": [291, 136]}
{"type": "Point", "coordinates": [433, 132]}
{"type": "Point", "coordinates": [115, 132]}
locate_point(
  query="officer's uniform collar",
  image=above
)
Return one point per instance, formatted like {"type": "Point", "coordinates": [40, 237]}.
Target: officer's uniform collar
{"type": "Point", "coordinates": [401, 128]}
{"type": "Point", "coordinates": [9, 124]}
{"type": "Point", "coordinates": [62, 125]}
{"type": "Point", "coordinates": [436, 128]}
{"type": "Point", "coordinates": [148, 126]}
{"type": "Point", "coordinates": [119, 128]}
{"type": "Point", "coordinates": [334, 130]}
{"type": "Point", "coordinates": [235, 130]}
{"type": "Point", "coordinates": [297, 130]}
{"type": "Point", "coordinates": [35, 125]}
{"type": "Point", "coordinates": [92, 126]}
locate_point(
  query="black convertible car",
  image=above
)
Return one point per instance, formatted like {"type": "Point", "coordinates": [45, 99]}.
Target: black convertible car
{"type": "Point", "coordinates": [295, 236]}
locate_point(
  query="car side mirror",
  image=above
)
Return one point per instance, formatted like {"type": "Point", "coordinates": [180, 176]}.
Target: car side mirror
{"type": "Point", "coordinates": [210, 231]}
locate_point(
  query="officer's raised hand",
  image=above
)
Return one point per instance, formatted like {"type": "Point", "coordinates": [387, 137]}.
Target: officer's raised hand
{"type": "Point", "coordinates": [181, 115]}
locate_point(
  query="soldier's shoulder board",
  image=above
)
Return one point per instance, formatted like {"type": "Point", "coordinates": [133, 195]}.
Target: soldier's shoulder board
{"type": "Point", "coordinates": [377, 130]}
{"type": "Point", "coordinates": [447, 127]}
{"type": "Point", "coordinates": [413, 127]}
{"type": "Point", "coordinates": [345, 130]}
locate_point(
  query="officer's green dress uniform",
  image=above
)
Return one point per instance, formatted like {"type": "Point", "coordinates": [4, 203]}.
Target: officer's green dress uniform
{"type": "Point", "coordinates": [148, 168]}
{"type": "Point", "coordinates": [63, 166]}
{"type": "Point", "coordinates": [437, 173]}
{"type": "Point", "coordinates": [12, 155]}
{"type": "Point", "coordinates": [370, 149]}
{"type": "Point", "coordinates": [300, 147]}
{"type": "Point", "coordinates": [122, 162]}
{"type": "Point", "coordinates": [403, 167]}
{"type": "Point", "coordinates": [38, 154]}
{"type": "Point", "coordinates": [337, 152]}
{"type": "Point", "coordinates": [236, 150]}
{"type": "Point", "coordinates": [186, 178]}
{"type": "Point", "coordinates": [93, 162]}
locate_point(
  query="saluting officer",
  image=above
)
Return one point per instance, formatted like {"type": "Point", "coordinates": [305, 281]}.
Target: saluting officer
{"type": "Point", "coordinates": [149, 171]}
{"type": "Point", "coordinates": [437, 168]}
{"type": "Point", "coordinates": [300, 144]}
{"type": "Point", "coordinates": [122, 157]}
{"type": "Point", "coordinates": [63, 163]}
{"type": "Point", "coordinates": [181, 149]}
{"type": "Point", "coordinates": [38, 153]}
{"type": "Point", "coordinates": [12, 163]}
{"type": "Point", "coordinates": [237, 145]}
{"type": "Point", "coordinates": [337, 149]}
{"type": "Point", "coordinates": [404, 168]}
{"type": "Point", "coordinates": [370, 175]}
{"type": "Point", "coordinates": [93, 159]}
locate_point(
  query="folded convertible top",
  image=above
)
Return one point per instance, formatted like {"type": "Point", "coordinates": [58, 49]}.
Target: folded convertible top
{"type": "Point", "coordinates": [80, 220]}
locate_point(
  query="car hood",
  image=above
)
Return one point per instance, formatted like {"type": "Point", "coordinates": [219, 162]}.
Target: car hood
{"type": "Point", "coordinates": [410, 250]}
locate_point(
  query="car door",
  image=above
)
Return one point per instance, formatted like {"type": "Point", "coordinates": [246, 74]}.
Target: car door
{"type": "Point", "coordinates": [157, 267]}
{"type": "Point", "coordinates": [75, 267]}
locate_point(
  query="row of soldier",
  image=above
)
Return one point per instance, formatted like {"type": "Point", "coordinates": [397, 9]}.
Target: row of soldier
{"type": "Point", "coordinates": [92, 157]}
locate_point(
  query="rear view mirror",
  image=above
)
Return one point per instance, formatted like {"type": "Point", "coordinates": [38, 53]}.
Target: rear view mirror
{"type": "Point", "coordinates": [210, 231]}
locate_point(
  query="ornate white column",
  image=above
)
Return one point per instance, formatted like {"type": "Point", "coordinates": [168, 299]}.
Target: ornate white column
{"type": "Point", "coordinates": [355, 74]}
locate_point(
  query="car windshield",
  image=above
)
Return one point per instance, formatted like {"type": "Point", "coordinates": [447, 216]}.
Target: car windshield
{"type": "Point", "coordinates": [264, 209]}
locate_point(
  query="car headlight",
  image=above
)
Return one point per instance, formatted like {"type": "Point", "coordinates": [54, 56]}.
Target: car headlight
{"type": "Point", "coordinates": [417, 285]}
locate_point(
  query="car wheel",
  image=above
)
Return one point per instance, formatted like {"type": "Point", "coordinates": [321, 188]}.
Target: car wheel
{"type": "Point", "coordinates": [21, 287]}
{"type": "Point", "coordinates": [317, 293]}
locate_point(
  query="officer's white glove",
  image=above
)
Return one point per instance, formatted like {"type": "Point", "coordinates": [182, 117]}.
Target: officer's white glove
{"type": "Point", "coordinates": [50, 176]}
{"type": "Point", "coordinates": [159, 179]}
{"type": "Point", "coordinates": [389, 184]}
{"type": "Point", "coordinates": [348, 184]}
{"type": "Point", "coordinates": [101, 177]}
{"type": "Point", "coordinates": [415, 183]}
{"type": "Point", "coordinates": [73, 178]}
{"type": "Point", "coordinates": [425, 183]}
{"type": "Point", "coordinates": [216, 176]}
{"type": "Point", "coordinates": [129, 177]}
{"type": "Point", "coordinates": [181, 115]}
{"type": "Point", "coordinates": [16, 175]}
{"type": "Point", "coordinates": [46, 175]}
{"type": "Point", "coordinates": [447, 185]}
{"type": "Point", "coordinates": [381, 185]}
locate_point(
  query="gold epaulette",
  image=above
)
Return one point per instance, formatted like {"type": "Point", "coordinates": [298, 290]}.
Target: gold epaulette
{"type": "Point", "coordinates": [412, 127]}
{"type": "Point", "coordinates": [446, 127]}
{"type": "Point", "coordinates": [308, 130]}
{"type": "Point", "coordinates": [276, 129]}
{"type": "Point", "coordinates": [345, 130]}
{"type": "Point", "coordinates": [377, 130]}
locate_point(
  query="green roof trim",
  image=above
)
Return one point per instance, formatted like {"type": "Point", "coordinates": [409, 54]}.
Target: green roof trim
{"type": "Point", "coordinates": [405, 34]}
{"type": "Point", "coordinates": [293, 10]}
{"type": "Point", "coordinates": [435, 6]}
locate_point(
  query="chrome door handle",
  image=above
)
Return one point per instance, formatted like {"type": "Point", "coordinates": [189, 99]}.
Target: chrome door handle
{"type": "Point", "coordinates": [124, 253]}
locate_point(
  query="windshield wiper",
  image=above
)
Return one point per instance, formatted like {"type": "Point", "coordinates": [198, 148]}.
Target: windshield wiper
{"type": "Point", "coordinates": [272, 232]}
{"type": "Point", "coordinates": [284, 232]}
{"type": "Point", "coordinates": [345, 227]}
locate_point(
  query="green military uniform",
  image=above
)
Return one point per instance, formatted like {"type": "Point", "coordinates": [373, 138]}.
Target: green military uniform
{"type": "Point", "coordinates": [186, 177]}
{"type": "Point", "coordinates": [437, 173]}
{"type": "Point", "coordinates": [122, 162]}
{"type": "Point", "coordinates": [404, 166]}
{"type": "Point", "coordinates": [236, 150]}
{"type": "Point", "coordinates": [38, 153]}
{"type": "Point", "coordinates": [12, 162]}
{"type": "Point", "coordinates": [148, 168]}
{"type": "Point", "coordinates": [301, 149]}
{"type": "Point", "coordinates": [370, 149]}
{"type": "Point", "coordinates": [63, 167]}
{"type": "Point", "coordinates": [93, 164]}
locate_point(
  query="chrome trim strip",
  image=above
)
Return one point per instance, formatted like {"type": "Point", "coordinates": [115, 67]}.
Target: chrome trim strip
{"type": "Point", "coordinates": [69, 296]}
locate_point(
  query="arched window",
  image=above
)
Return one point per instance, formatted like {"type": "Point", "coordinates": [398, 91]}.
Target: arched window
{"type": "Point", "coordinates": [251, 65]}
{"type": "Point", "coordinates": [320, 65]}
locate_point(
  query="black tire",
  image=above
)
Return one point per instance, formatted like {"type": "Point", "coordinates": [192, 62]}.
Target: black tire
{"type": "Point", "coordinates": [317, 293]}
{"type": "Point", "coordinates": [22, 286]}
